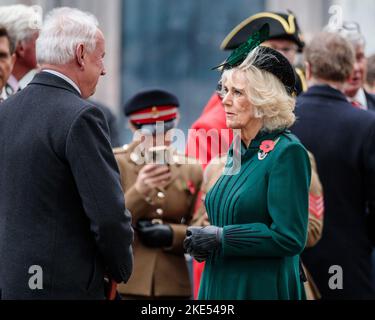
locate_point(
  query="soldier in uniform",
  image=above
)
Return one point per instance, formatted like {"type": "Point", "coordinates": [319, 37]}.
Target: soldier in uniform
{"type": "Point", "coordinates": [161, 196]}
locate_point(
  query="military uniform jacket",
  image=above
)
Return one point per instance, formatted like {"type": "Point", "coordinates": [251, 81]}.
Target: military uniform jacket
{"type": "Point", "coordinates": [61, 203]}
{"type": "Point", "coordinates": [160, 272]}
{"type": "Point", "coordinates": [263, 210]}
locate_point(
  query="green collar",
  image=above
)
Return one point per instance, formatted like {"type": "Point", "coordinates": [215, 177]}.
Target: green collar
{"type": "Point", "coordinates": [256, 142]}
{"type": "Point", "coordinates": [263, 136]}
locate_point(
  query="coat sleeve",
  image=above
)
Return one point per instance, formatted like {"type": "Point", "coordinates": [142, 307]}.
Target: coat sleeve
{"type": "Point", "coordinates": [316, 206]}
{"type": "Point", "coordinates": [89, 153]}
{"type": "Point", "coordinates": [287, 201]}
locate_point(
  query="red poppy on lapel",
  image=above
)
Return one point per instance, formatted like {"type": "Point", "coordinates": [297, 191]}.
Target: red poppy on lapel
{"type": "Point", "coordinates": [191, 187]}
{"type": "Point", "coordinates": [267, 146]}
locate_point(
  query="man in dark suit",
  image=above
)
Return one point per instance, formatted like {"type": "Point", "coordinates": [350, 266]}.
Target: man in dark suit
{"type": "Point", "coordinates": [355, 89]}
{"type": "Point", "coordinates": [63, 221]}
{"type": "Point", "coordinates": [342, 139]}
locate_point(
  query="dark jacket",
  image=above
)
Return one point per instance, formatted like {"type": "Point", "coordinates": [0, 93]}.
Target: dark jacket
{"type": "Point", "coordinates": [370, 101]}
{"type": "Point", "coordinates": [342, 139]}
{"type": "Point", "coordinates": [112, 123]}
{"type": "Point", "coordinates": [61, 202]}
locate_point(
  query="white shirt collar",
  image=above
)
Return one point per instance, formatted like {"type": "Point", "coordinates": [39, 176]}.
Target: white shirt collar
{"type": "Point", "coordinates": [13, 83]}
{"type": "Point", "coordinates": [22, 84]}
{"type": "Point", "coordinates": [360, 97]}
{"type": "Point", "coordinates": [64, 77]}
{"type": "Point", "coordinates": [27, 78]}
{"type": "Point", "coordinates": [3, 94]}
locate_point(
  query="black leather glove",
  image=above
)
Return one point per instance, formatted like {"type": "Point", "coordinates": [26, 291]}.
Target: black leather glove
{"type": "Point", "coordinates": [155, 235]}
{"type": "Point", "coordinates": [202, 242]}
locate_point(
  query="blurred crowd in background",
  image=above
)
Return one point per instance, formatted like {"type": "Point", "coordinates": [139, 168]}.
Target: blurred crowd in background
{"type": "Point", "coordinates": [180, 62]}
{"type": "Point", "coordinates": [185, 40]}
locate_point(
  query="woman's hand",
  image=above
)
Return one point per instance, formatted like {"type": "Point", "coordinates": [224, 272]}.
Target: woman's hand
{"type": "Point", "coordinates": [202, 242]}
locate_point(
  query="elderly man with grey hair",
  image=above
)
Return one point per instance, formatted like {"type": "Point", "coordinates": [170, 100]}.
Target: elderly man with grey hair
{"type": "Point", "coordinates": [23, 24]}
{"type": "Point", "coordinates": [63, 221]}
{"type": "Point", "coordinates": [342, 138]}
{"type": "Point", "coordinates": [354, 86]}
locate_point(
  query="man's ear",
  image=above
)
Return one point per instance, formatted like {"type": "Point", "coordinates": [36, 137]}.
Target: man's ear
{"type": "Point", "coordinates": [80, 56]}
{"type": "Point", "coordinates": [20, 50]}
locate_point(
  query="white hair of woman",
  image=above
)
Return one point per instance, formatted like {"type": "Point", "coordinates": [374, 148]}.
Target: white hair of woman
{"type": "Point", "coordinates": [21, 21]}
{"type": "Point", "coordinates": [64, 29]}
{"type": "Point", "coordinates": [266, 93]}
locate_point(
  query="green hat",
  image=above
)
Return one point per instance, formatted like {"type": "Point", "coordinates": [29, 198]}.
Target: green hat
{"type": "Point", "coordinates": [282, 26]}
{"type": "Point", "coordinates": [276, 63]}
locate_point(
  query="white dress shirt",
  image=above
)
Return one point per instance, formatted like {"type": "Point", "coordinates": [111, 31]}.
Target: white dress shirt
{"type": "Point", "coordinates": [64, 77]}
{"type": "Point", "coordinates": [360, 98]}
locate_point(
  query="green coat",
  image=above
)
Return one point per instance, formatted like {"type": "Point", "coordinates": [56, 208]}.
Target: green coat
{"type": "Point", "coordinates": [264, 212]}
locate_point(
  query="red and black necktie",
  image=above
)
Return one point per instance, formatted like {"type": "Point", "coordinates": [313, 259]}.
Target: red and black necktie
{"type": "Point", "coordinates": [356, 104]}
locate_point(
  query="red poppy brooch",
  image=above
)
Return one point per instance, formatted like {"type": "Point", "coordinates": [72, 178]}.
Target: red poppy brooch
{"type": "Point", "coordinates": [266, 147]}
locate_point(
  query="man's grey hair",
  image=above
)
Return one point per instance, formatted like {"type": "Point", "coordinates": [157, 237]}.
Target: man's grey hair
{"type": "Point", "coordinates": [21, 21]}
{"type": "Point", "coordinates": [331, 57]}
{"type": "Point", "coordinates": [349, 30]}
{"type": "Point", "coordinates": [64, 29]}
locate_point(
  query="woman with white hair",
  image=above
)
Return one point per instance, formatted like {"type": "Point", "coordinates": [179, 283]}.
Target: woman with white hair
{"type": "Point", "coordinates": [259, 215]}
